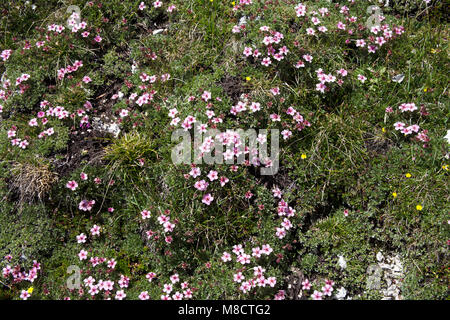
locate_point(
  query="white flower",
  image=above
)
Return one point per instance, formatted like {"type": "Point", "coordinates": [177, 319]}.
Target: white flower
{"type": "Point", "coordinates": [341, 293]}
{"type": "Point", "coordinates": [342, 262]}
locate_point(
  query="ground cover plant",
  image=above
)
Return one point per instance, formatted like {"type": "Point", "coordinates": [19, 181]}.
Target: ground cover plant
{"type": "Point", "coordinates": [96, 98]}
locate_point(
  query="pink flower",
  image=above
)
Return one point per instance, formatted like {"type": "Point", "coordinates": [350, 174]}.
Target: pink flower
{"type": "Point", "coordinates": [327, 290]}
{"type": "Point", "coordinates": [271, 281]}
{"type": "Point", "coordinates": [316, 295]}
{"type": "Point", "coordinates": [238, 277]}
{"type": "Point", "coordinates": [212, 175]}
{"type": "Point", "coordinates": [5, 54]}
{"type": "Point", "coordinates": [86, 79]}
{"type": "Point", "coordinates": [201, 185]}
{"type": "Point", "coordinates": [167, 288]}
{"type": "Point", "coordinates": [86, 205]}
{"type": "Point", "coordinates": [98, 38]}
{"type": "Point", "coordinates": [195, 172]}
{"type": "Point", "coordinates": [24, 295]}
{"type": "Point", "coordinates": [361, 78]}
{"type": "Point", "coordinates": [95, 230]}
{"type": "Point", "coordinates": [266, 62]}
{"type": "Point", "coordinates": [120, 294]}
{"type": "Point", "coordinates": [306, 285]}
{"type": "Point", "coordinates": [247, 51]}
{"type": "Point", "coordinates": [150, 276]}
{"type": "Point", "coordinates": [144, 295]}
{"type": "Point", "coordinates": [207, 199]}
{"type": "Point", "coordinates": [206, 96]}
{"type": "Point", "coordinates": [223, 181]}
{"type": "Point", "coordinates": [145, 214]}
{"type": "Point", "coordinates": [174, 278]}
{"type": "Point", "coordinates": [82, 255]}
{"type": "Point", "coordinates": [72, 185]}
{"type": "Point", "coordinates": [111, 263]}
{"type": "Point", "coordinates": [226, 257]}
{"type": "Point", "coordinates": [81, 238]}
{"type": "Point", "coordinates": [275, 91]}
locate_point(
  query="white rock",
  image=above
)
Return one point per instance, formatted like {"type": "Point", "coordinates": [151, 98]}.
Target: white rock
{"type": "Point", "coordinates": [158, 31]}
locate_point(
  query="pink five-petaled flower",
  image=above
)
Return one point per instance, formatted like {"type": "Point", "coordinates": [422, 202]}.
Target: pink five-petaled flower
{"type": "Point", "coordinates": [195, 172]}
{"type": "Point", "coordinates": [327, 290]}
{"type": "Point", "coordinates": [207, 199]}
{"type": "Point", "coordinates": [316, 295]}
{"type": "Point", "coordinates": [361, 78]}
{"type": "Point", "coordinates": [306, 285]}
{"type": "Point", "coordinates": [95, 230]}
{"type": "Point", "coordinates": [144, 295]}
{"type": "Point", "coordinates": [81, 238]}
{"type": "Point", "coordinates": [206, 96]}
{"type": "Point", "coordinates": [111, 263]}
{"type": "Point", "coordinates": [167, 288]}
{"type": "Point", "coordinates": [150, 276]}
{"type": "Point", "coordinates": [145, 214]}
{"type": "Point", "coordinates": [72, 185]}
{"type": "Point", "coordinates": [266, 62]}
{"type": "Point", "coordinates": [24, 295]}
{"type": "Point", "coordinates": [86, 79]}
{"type": "Point", "coordinates": [120, 294]}
{"type": "Point", "coordinates": [82, 255]}
{"type": "Point", "coordinates": [226, 257]}
{"type": "Point", "coordinates": [271, 281]}
{"type": "Point", "coordinates": [238, 277]}
{"type": "Point", "coordinates": [212, 175]}
{"type": "Point", "coordinates": [174, 278]}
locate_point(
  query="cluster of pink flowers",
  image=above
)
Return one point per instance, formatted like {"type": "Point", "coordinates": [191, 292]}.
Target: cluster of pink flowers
{"type": "Point", "coordinates": [16, 141]}
{"type": "Point", "coordinates": [18, 274]}
{"type": "Point", "coordinates": [422, 135]}
{"type": "Point", "coordinates": [56, 27]}
{"type": "Point", "coordinates": [284, 212]}
{"type": "Point", "coordinates": [271, 39]}
{"type": "Point", "coordinates": [69, 69]}
{"type": "Point", "coordinates": [72, 22]}
{"type": "Point", "coordinates": [164, 222]}
{"type": "Point", "coordinates": [186, 292]}
{"type": "Point", "coordinates": [258, 279]}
